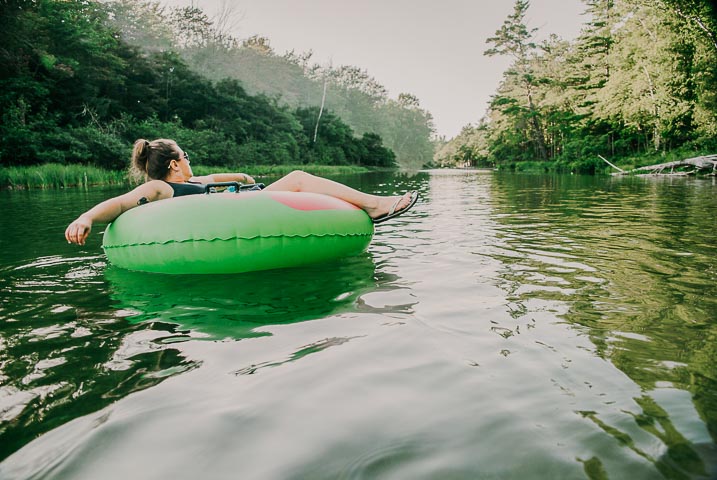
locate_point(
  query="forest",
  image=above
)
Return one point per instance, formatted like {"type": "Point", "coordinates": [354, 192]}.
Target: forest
{"type": "Point", "coordinates": [81, 80]}
{"type": "Point", "coordinates": [638, 84]}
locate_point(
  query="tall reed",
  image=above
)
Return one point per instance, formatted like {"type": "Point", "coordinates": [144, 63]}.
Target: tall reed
{"type": "Point", "coordinates": [53, 175]}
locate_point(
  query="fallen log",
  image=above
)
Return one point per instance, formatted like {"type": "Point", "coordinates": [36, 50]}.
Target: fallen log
{"type": "Point", "coordinates": [699, 163]}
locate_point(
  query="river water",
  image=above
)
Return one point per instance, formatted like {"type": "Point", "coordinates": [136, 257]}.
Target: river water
{"type": "Point", "coordinates": [511, 326]}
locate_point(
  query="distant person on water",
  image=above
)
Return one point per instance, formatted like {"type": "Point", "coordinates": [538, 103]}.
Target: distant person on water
{"type": "Point", "coordinates": [168, 174]}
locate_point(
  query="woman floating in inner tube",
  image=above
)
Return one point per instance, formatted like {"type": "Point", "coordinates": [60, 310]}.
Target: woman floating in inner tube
{"type": "Point", "coordinates": [168, 173]}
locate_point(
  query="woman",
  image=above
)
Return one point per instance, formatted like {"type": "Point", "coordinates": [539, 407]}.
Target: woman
{"type": "Point", "coordinates": [168, 174]}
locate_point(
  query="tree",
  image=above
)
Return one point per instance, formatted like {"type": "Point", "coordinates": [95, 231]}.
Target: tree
{"type": "Point", "coordinates": [73, 90]}
{"type": "Point", "coordinates": [698, 44]}
{"type": "Point", "coordinates": [596, 41]}
{"type": "Point", "coordinates": [407, 129]}
{"type": "Point", "coordinates": [701, 15]}
{"type": "Point", "coordinates": [515, 40]}
{"type": "Point", "coordinates": [141, 24]}
{"type": "Point", "coordinates": [640, 91]}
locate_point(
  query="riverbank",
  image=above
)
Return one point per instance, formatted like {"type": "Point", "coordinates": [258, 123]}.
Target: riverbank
{"type": "Point", "coordinates": [54, 175]}
{"type": "Point", "coordinates": [597, 166]}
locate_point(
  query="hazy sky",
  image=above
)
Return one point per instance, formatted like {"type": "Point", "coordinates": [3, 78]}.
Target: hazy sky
{"type": "Point", "coordinates": [432, 49]}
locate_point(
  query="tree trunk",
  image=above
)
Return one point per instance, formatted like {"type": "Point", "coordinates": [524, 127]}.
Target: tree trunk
{"type": "Point", "coordinates": [656, 138]}
{"type": "Point", "coordinates": [537, 129]}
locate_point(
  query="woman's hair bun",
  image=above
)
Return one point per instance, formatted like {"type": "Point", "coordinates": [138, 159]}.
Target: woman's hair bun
{"type": "Point", "coordinates": [140, 156]}
{"type": "Point", "coordinates": [152, 159]}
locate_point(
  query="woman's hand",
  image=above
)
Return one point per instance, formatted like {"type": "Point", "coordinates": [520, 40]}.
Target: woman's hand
{"type": "Point", "coordinates": [248, 179]}
{"type": "Point", "coordinates": [78, 230]}
{"type": "Point", "coordinates": [112, 208]}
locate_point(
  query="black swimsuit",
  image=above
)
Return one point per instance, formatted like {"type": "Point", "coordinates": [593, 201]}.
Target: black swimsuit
{"type": "Point", "coordinates": [181, 189]}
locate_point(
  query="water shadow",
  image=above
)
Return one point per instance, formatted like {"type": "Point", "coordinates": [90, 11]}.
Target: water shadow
{"type": "Point", "coordinates": [234, 306]}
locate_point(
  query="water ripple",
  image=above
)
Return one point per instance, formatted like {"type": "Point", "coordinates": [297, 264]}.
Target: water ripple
{"type": "Point", "coordinates": [510, 327]}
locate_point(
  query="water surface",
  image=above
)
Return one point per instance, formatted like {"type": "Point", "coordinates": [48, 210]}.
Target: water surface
{"type": "Point", "coordinates": [510, 327]}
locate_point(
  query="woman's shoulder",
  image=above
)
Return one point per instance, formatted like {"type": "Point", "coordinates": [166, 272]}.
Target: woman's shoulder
{"type": "Point", "coordinates": [156, 184]}
{"type": "Point", "coordinates": [155, 188]}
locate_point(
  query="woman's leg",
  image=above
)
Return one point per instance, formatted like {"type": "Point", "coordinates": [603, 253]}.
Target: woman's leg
{"type": "Point", "coordinates": [374, 205]}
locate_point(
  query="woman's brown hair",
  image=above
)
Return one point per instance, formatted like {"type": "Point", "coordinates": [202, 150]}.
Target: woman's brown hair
{"type": "Point", "coordinates": [152, 159]}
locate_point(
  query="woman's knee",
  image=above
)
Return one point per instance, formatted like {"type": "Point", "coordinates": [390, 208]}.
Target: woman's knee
{"type": "Point", "coordinates": [297, 179]}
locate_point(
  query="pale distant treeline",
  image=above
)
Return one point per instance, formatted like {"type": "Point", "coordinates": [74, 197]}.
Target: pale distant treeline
{"type": "Point", "coordinates": [640, 81]}
{"type": "Point", "coordinates": [292, 79]}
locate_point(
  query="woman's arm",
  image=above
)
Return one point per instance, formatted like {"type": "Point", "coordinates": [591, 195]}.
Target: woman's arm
{"type": "Point", "coordinates": [112, 208]}
{"type": "Point", "coordinates": [224, 177]}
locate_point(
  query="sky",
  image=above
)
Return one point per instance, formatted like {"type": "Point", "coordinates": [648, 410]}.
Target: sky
{"type": "Point", "coordinates": [431, 49]}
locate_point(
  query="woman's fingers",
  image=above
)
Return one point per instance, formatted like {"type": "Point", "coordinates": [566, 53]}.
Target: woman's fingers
{"type": "Point", "coordinates": [77, 233]}
{"type": "Point", "coordinates": [82, 233]}
{"type": "Point", "coordinates": [70, 234]}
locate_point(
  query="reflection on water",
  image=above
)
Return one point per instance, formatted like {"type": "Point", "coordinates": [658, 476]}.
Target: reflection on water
{"type": "Point", "coordinates": [510, 327]}
{"type": "Point", "coordinates": [634, 262]}
{"type": "Point", "coordinates": [64, 350]}
{"type": "Point", "coordinates": [233, 306]}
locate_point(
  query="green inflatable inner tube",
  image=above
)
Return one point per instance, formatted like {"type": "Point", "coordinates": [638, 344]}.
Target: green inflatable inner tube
{"type": "Point", "coordinates": [236, 232]}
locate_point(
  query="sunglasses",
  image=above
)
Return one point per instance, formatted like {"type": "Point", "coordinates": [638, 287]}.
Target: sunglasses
{"type": "Point", "coordinates": [185, 157]}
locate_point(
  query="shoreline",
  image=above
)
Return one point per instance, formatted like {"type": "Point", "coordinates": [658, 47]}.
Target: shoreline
{"type": "Point", "coordinates": [56, 176]}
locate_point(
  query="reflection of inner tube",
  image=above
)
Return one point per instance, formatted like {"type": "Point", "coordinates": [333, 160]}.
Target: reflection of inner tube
{"type": "Point", "coordinates": [233, 306]}
{"type": "Point", "coordinates": [232, 233]}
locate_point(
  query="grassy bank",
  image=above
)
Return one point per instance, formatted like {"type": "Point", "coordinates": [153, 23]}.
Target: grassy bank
{"type": "Point", "coordinates": [597, 166]}
{"type": "Point", "coordinates": [629, 163]}
{"type": "Point", "coordinates": [53, 175]}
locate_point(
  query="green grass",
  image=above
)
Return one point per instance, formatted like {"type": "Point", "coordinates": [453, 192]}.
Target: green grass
{"type": "Point", "coordinates": [528, 167]}
{"type": "Point", "coordinates": [54, 175]}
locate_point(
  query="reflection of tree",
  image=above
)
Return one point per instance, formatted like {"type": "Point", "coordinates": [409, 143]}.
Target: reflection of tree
{"type": "Point", "coordinates": [634, 262]}
{"type": "Point", "coordinates": [315, 347]}
{"type": "Point", "coordinates": [680, 461]}
{"type": "Point", "coordinates": [67, 353]}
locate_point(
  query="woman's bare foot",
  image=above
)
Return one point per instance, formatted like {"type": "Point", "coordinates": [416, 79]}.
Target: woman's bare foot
{"type": "Point", "coordinates": [389, 207]}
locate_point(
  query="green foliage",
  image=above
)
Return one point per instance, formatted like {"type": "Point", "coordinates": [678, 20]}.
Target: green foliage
{"type": "Point", "coordinates": [468, 149]}
{"type": "Point", "coordinates": [73, 91]}
{"type": "Point", "coordinates": [515, 40]}
{"type": "Point", "coordinates": [640, 81]}
{"type": "Point", "coordinates": [350, 93]}
{"type": "Point", "coordinates": [333, 142]}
